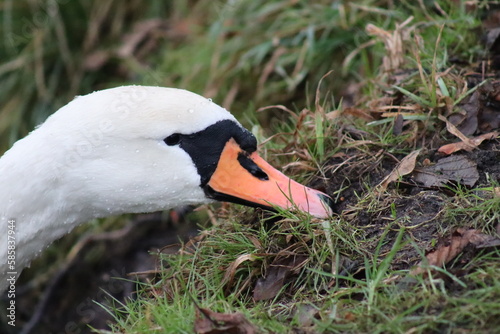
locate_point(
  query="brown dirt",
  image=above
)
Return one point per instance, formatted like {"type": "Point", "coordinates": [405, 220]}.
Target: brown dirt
{"type": "Point", "coordinates": [416, 208]}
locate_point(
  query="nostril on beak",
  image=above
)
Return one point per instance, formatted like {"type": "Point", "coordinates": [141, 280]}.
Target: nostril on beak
{"type": "Point", "coordinates": [252, 167]}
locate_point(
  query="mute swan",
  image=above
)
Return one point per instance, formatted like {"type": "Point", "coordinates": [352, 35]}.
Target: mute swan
{"type": "Point", "coordinates": [128, 150]}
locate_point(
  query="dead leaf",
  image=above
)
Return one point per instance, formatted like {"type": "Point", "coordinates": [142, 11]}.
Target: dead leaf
{"type": "Point", "coordinates": [397, 129]}
{"type": "Point", "coordinates": [456, 168]}
{"type": "Point", "coordinates": [471, 143]}
{"type": "Point", "coordinates": [454, 131]}
{"type": "Point", "coordinates": [209, 322]}
{"type": "Point", "coordinates": [405, 166]}
{"type": "Point", "coordinates": [268, 287]}
{"type": "Point", "coordinates": [481, 240]}
{"type": "Point", "coordinates": [466, 120]}
{"type": "Point", "coordinates": [493, 40]}
{"type": "Point", "coordinates": [231, 270]}
{"type": "Point", "coordinates": [479, 111]}
{"type": "Point", "coordinates": [450, 247]}
{"type": "Point", "coordinates": [256, 242]}
{"type": "Point", "coordinates": [488, 115]}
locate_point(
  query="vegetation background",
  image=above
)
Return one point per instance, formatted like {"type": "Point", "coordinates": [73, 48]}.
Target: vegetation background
{"type": "Point", "coordinates": [357, 86]}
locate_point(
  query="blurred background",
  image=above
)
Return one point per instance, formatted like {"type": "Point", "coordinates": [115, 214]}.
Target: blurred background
{"type": "Point", "coordinates": [242, 54]}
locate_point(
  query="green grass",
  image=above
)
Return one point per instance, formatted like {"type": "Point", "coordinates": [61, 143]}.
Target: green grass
{"type": "Point", "coordinates": [377, 303]}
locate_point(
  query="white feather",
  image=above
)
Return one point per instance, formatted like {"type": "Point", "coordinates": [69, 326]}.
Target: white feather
{"type": "Point", "coordinates": [102, 154]}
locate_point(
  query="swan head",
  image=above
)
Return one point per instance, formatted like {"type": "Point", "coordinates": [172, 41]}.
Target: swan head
{"type": "Point", "coordinates": [143, 149]}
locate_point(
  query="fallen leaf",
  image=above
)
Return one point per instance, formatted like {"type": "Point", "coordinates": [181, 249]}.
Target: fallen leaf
{"type": "Point", "coordinates": [209, 322]}
{"type": "Point", "coordinates": [471, 143]}
{"type": "Point", "coordinates": [468, 145]}
{"type": "Point", "coordinates": [397, 129]}
{"type": "Point", "coordinates": [488, 115]}
{"type": "Point", "coordinates": [493, 40]}
{"type": "Point", "coordinates": [481, 240]}
{"type": "Point", "coordinates": [231, 270]}
{"type": "Point", "coordinates": [405, 166]}
{"type": "Point", "coordinates": [466, 120]}
{"type": "Point", "coordinates": [456, 168]}
{"type": "Point", "coordinates": [478, 113]}
{"type": "Point", "coordinates": [257, 244]}
{"type": "Point", "coordinates": [450, 247]}
{"type": "Point", "coordinates": [268, 287]}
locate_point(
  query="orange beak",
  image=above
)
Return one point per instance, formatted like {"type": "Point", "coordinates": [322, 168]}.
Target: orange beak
{"type": "Point", "coordinates": [248, 179]}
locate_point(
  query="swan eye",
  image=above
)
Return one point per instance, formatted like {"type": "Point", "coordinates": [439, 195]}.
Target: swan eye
{"type": "Point", "coordinates": [173, 139]}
